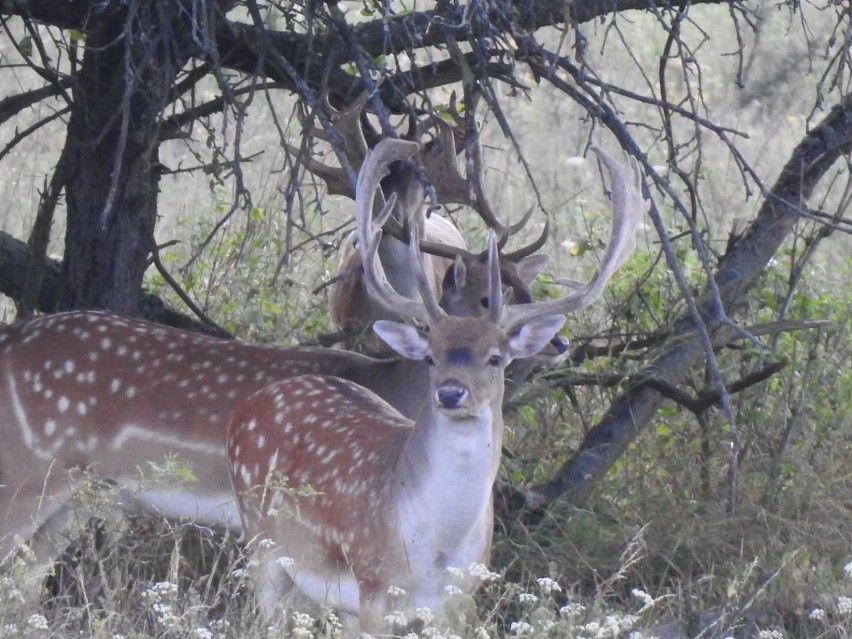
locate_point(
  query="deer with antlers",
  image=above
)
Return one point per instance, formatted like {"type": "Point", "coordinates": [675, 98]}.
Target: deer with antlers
{"type": "Point", "coordinates": [354, 497]}
{"type": "Point", "coordinates": [457, 276]}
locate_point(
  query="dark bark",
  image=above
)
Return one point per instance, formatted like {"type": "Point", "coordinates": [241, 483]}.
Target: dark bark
{"type": "Point", "coordinates": [15, 258]}
{"type": "Point", "coordinates": [129, 66]}
{"type": "Point", "coordinates": [737, 273]}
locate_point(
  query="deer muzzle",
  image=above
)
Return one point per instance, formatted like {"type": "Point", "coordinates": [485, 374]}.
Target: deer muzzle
{"type": "Point", "coordinates": [451, 394]}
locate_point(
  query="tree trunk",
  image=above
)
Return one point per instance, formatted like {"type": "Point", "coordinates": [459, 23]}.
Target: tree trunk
{"type": "Point", "coordinates": [128, 69]}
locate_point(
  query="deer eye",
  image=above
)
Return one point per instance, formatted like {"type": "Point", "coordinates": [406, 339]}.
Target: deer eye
{"type": "Point", "coordinates": [495, 360]}
{"type": "Point", "coordinates": [484, 302]}
{"type": "Point", "coordinates": [429, 360]}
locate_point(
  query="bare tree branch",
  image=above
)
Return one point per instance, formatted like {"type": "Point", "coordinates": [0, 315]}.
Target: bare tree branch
{"type": "Point", "coordinates": [735, 276]}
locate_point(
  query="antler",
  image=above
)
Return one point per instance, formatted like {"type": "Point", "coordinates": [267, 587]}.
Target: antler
{"type": "Point", "coordinates": [628, 208]}
{"type": "Point", "coordinates": [437, 158]}
{"type": "Point", "coordinates": [348, 124]}
{"type": "Point", "coordinates": [369, 234]}
{"type": "Point", "coordinates": [440, 166]}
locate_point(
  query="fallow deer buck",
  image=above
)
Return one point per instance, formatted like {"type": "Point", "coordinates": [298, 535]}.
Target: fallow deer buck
{"type": "Point", "coordinates": [351, 496]}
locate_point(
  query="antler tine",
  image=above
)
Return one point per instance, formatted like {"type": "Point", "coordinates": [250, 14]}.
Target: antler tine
{"type": "Point", "coordinates": [369, 231]}
{"type": "Point", "coordinates": [476, 173]}
{"type": "Point", "coordinates": [443, 250]}
{"type": "Point", "coordinates": [441, 168]}
{"type": "Point", "coordinates": [628, 208]}
{"type": "Point", "coordinates": [335, 178]}
{"type": "Point", "coordinates": [347, 123]}
{"type": "Point", "coordinates": [496, 299]}
{"type": "Point", "coordinates": [478, 201]}
{"type": "Point", "coordinates": [430, 302]}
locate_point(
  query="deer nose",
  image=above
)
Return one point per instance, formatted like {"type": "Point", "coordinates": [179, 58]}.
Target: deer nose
{"type": "Point", "coordinates": [450, 394]}
{"type": "Point", "coordinates": [560, 343]}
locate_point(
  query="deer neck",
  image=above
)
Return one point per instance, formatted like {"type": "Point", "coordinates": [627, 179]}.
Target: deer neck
{"type": "Point", "coordinates": [442, 488]}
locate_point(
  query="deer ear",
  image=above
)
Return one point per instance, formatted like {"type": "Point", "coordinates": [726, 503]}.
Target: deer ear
{"type": "Point", "coordinates": [404, 339]}
{"type": "Point", "coordinates": [459, 272]}
{"type": "Point", "coordinates": [533, 335]}
{"type": "Point", "coordinates": [531, 266]}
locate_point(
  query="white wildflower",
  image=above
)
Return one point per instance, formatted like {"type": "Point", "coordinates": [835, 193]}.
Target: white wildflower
{"type": "Point", "coordinates": [772, 633]}
{"type": "Point", "coordinates": [10, 630]}
{"type": "Point", "coordinates": [527, 598]}
{"type": "Point", "coordinates": [848, 569]}
{"type": "Point", "coordinates": [160, 597]}
{"type": "Point", "coordinates": [455, 573]}
{"type": "Point", "coordinates": [452, 590]}
{"type": "Point", "coordinates": [39, 622]}
{"type": "Point", "coordinates": [572, 610]}
{"type": "Point", "coordinates": [396, 591]}
{"type": "Point", "coordinates": [521, 628]}
{"type": "Point", "coordinates": [623, 622]}
{"type": "Point", "coordinates": [647, 600]}
{"type": "Point", "coordinates": [238, 573]}
{"type": "Point", "coordinates": [611, 625]}
{"type": "Point", "coordinates": [287, 563]}
{"type": "Point", "coordinates": [481, 633]}
{"type": "Point", "coordinates": [396, 618]}
{"type": "Point", "coordinates": [844, 605]}
{"type": "Point", "coordinates": [303, 625]}
{"type": "Point", "coordinates": [480, 571]}
{"type": "Point", "coordinates": [817, 614]}
{"type": "Point", "coordinates": [548, 585]}
{"type": "Point", "coordinates": [202, 633]}
{"type": "Point", "coordinates": [163, 589]}
{"type": "Point", "coordinates": [266, 544]}
{"type": "Point", "coordinates": [302, 619]}
{"type": "Point", "coordinates": [424, 613]}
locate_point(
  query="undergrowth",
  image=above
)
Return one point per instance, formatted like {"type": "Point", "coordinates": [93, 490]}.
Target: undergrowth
{"type": "Point", "coordinates": [673, 543]}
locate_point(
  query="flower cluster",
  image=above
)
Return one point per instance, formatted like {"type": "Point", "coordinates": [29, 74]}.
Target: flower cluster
{"type": "Point", "coordinates": [161, 597]}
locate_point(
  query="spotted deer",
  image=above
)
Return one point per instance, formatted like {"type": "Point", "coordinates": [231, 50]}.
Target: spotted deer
{"type": "Point", "coordinates": [93, 391]}
{"type": "Point", "coordinates": [354, 502]}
